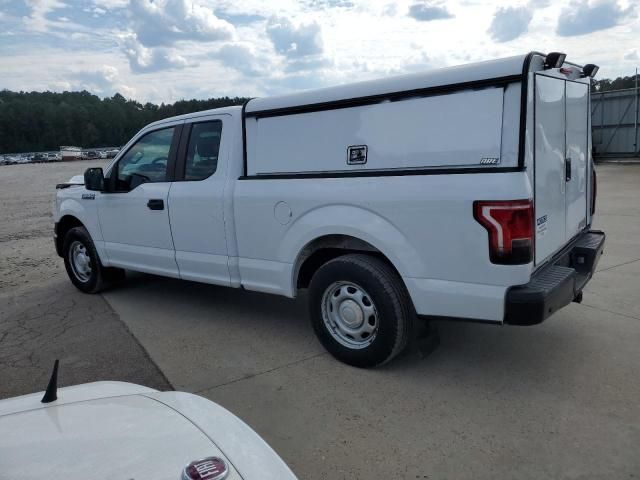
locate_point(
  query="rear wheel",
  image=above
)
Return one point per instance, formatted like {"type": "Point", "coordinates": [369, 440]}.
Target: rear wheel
{"type": "Point", "coordinates": [83, 264]}
{"type": "Point", "coordinates": [360, 310]}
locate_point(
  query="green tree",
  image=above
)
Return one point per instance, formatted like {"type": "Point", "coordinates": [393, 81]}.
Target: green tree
{"type": "Point", "coordinates": [34, 121]}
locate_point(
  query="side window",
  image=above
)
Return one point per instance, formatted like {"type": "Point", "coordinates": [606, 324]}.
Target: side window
{"type": "Point", "coordinates": [146, 161]}
{"type": "Point", "coordinates": [202, 152]}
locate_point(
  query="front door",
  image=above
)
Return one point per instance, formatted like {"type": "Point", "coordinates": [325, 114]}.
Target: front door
{"type": "Point", "coordinates": [561, 154]}
{"type": "Point", "coordinates": [134, 215]}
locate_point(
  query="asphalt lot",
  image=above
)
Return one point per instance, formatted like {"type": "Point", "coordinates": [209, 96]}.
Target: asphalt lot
{"type": "Point", "coordinates": [559, 400]}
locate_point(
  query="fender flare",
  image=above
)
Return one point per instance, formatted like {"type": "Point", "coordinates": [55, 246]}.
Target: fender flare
{"type": "Point", "coordinates": [73, 208]}
{"type": "Point", "coordinates": [356, 222]}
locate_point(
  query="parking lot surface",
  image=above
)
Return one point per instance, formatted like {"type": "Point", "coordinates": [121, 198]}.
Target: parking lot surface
{"type": "Point", "coordinates": [558, 400]}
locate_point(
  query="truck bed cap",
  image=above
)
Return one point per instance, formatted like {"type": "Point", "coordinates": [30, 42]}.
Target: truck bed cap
{"type": "Point", "coordinates": [474, 72]}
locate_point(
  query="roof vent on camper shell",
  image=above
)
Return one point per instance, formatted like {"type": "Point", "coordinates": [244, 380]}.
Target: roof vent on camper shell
{"type": "Point", "coordinates": [554, 60]}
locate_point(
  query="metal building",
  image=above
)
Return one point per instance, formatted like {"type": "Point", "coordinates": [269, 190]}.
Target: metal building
{"type": "Point", "coordinates": [614, 119]}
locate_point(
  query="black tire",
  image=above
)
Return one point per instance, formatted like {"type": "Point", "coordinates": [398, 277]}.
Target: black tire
{"type": "Point", "coordinates": [394, 310]}
{"type": "Point", "coordinates": [96, 279]}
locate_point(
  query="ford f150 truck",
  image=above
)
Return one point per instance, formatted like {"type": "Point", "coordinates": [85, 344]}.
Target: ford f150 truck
{"type": "Point", "coordinates": [466, 192]}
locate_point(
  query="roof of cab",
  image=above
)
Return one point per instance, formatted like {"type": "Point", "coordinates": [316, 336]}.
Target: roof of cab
{"type": "Point", "coordinates": [203, 113]}
{"type": "Point", "coordinates": [492, 69]}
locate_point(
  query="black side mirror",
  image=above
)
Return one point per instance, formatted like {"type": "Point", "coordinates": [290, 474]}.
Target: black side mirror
{"type": "Point", "coordinates": [94, 179]}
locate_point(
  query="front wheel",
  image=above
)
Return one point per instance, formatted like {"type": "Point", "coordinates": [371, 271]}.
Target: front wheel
{"type": "Point", "coordinates": [83, 264]}
{"type": "Point", "coordinates": [360, 310]}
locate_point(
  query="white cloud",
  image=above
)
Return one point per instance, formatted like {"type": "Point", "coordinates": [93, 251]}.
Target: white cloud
{"type": "Point", "coordinates": [581, 17]}
{"type": "Point", "coordinates": [143, 59]}
{"type": "Point", "coordinates": [632, 55]}
{"type": "Point", "coordinates": [111, 4]}
{"type": "Point", "coordinates": [163, 22]}
{"type": "Point", "coordinates": [295, 40]}
{"type": "Point", "coordinates": [428, 11]}
{"type": "Point", "coordinates": [103, 81]}
{"type": "Point", "coordinates": [509, 23]}
{"type": "Point", "coordinates": [241, 58]}
{"type": "Point", "coordinates": [38, 21]}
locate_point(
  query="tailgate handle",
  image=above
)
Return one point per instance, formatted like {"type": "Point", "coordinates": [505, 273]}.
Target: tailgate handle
{"type": "Point", "coordinates": [156, 204]}
{"type": "Point", "coordinates": [567, 169]}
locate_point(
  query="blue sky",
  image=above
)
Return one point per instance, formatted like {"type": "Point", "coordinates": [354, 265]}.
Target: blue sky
{"type": "Point", "coordinates": [165, 50]}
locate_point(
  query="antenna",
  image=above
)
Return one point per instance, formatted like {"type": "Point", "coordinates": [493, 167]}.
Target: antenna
{"type": "Point", "coordinates": [51, 394]}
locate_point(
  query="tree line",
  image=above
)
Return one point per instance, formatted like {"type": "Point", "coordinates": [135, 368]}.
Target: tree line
{"type": "Point", "coordinates": [619, 83]}
{"type": "Point", "coordinates": [41, 121]}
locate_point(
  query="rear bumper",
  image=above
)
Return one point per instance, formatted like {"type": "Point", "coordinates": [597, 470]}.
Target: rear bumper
{"type": "Point", "coordinates": [556, 284]}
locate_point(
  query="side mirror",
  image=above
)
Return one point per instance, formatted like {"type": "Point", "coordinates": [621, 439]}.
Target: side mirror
{"type": "Point", "coordinates": [94, 179]}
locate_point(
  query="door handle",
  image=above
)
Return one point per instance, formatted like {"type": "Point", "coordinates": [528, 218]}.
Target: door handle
{"type": "Point", "coordinates": [156, 204]}
{"type": "Point", "coordinates": [567, 169]}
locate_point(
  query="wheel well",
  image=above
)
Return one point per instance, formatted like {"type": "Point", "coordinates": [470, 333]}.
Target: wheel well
{"type": "Point", "coordinates": [65, 224]}
{"type": "Point", "coordinates": [321, 250]}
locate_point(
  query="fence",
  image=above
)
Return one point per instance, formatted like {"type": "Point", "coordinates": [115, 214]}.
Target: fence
{"type": "Point", "coordinates": [614, 119]}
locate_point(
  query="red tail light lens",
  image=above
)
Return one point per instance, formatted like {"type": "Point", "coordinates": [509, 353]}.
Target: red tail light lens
{"type": "Point", "coordinates": [594, 192]}
{"type": "Point", "coordinates": [510, 227]}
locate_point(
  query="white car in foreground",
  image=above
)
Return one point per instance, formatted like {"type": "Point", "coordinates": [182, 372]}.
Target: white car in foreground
{"type": "Point", "coordinates": [124, 431]}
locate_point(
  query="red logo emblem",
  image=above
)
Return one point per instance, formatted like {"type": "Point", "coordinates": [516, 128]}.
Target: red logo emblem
{"type": "Point", "coordinates": [210, 468]}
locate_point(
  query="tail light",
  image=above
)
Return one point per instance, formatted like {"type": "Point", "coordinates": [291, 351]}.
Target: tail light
{"type": "Point", "coordinates": [594, 191]}
{"type": "Point", "coordinates": [510, 227]}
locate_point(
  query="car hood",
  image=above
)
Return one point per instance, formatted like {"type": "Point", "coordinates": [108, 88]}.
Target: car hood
{"type": "Point", "coordinates": [123, 433]}
{"type": "Point", "coordinates": [126, 437]}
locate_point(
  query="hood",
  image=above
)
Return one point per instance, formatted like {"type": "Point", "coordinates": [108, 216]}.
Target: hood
{"type": "Point", "coordinates": [76, 180]}
{"type": "Point", "coordinates": [123, 436]}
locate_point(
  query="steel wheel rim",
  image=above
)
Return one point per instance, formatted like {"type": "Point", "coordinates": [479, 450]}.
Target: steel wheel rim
{"type": "Point", "coordinates": [80, 261]}
{"type": "Point", "coordinates": [349, 315]}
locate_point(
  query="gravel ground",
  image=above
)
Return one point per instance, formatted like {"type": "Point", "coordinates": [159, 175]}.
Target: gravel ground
{"type": "Point", "coordinates": [42, 316]}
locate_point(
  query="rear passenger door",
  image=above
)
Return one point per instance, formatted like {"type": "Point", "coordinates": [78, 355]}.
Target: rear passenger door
{"type": "Point", "coordinates": [196, 202]}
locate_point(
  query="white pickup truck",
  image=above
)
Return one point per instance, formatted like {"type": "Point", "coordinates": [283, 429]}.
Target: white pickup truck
{"type": "Point", "coordinates": [466, 193]}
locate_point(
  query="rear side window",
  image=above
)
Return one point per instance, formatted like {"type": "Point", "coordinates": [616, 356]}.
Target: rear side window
{"type": "Point", "coordinates": [202, 153]}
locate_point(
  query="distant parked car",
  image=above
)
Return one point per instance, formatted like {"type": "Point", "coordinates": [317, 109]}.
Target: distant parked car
{"type": "Point", "coordinates": [112, 153]}
{"type": "Point", "coordinates": [121, 430]}
{"type": "Point", "coordinates": [92, 154]}
{"type": "Point", "coordinates": [40, 157]}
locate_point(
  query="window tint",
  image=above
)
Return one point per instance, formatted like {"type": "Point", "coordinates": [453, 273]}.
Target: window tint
{"type": "Point", "coordinates": [202, 152]}
{"type": "Point", "coordinates": [146, 161]}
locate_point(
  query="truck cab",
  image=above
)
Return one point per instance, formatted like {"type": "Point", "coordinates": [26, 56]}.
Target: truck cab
{"type": "Point", "coordinates": [465, 193]}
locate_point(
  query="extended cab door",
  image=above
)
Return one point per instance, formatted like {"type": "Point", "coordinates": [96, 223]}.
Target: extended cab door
{"type": "Point", "coordinates": [196, 200]}
{"type": "Point", "coordinates": [133, 212]}
{"type": "Point", "coordinates": [561, 162]}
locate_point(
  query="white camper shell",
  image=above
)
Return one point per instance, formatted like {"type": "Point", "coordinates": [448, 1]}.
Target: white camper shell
{"type": "Point", "coordinates": [466, 192]}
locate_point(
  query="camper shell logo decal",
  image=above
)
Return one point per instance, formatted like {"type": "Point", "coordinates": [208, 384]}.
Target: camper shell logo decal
{"type": "Point", "coordinates": [356, 155]}
{"type": "Point", "coordinates": [489, 160]}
